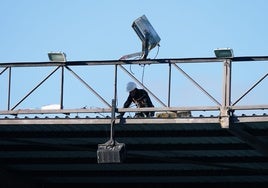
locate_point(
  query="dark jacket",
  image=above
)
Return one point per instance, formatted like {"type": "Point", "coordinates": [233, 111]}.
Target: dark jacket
{"type": "Point", "coordinates": [141, 98]}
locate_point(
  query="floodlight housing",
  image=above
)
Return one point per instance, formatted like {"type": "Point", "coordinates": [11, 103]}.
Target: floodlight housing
{"type": "Point", "coordinates": [224, 53]}
{"type": "Point", "coordinates": [146, 32]}
{"type": "Point", "coordinates": [57, 56]}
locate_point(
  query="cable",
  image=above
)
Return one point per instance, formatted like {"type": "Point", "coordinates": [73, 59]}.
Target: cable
{"type": "Point", "coordinates": [130, 69]}
{"type": "Point", "coordinates": [130, 64]}
{"type": "Point", "coordinates": [158, 47]}
{"type": "Point", "coordinates": [142, 73]}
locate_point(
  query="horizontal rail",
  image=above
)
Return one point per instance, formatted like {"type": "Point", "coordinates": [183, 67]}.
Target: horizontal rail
{"type": "Point", "coordinates": [109, 110]}
{"type": "Point", "coordinates": [122, 62]}
{"type": "Point", "coordinates": [107, 120]}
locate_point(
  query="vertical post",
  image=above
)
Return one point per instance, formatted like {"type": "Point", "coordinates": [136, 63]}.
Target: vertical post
{"type": "Point", "coordinates": [115, 84]}
{"type": "Point", "coordinates": [9, 88]}
{"type": "Point", "coordinates": [169, 83]}
{"type": "Point", "coordinates": [112, 140]}
{"type": "Point", "coordinates": [114, 102]}
{"type": "Point", "coordinates": [62, 84]}
{"type": "Point", "coordinates": [225, 111]}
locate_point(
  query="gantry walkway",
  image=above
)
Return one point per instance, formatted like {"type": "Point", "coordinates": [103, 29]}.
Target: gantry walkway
{"type": "Point", "coordinates": [225, 108]}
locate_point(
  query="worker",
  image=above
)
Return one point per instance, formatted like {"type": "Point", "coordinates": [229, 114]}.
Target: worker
{"type": "Point", "coordinates": [140, 98]}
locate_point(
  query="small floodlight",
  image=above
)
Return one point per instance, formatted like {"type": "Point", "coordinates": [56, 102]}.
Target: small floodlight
{"type": "Point", "coordinates": [224, 53]}
{"type": "Point", "coordinates": [57, 56]}
{"type": "Point", "coordinates": [146, 33]}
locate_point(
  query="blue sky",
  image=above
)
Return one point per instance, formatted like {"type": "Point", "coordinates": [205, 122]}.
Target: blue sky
{"type": "Point", "coordinates": [101, 30]}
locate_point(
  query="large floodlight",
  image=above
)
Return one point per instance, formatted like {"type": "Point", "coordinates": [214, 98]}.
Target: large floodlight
{"type": "Point", "coordinates": [224, 53]}
{"type": "Point", "coordinates": [146, 33]}
{"type": "Point", "coordinates": [57, 56]}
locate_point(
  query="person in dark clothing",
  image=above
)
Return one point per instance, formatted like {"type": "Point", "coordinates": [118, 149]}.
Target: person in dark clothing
{"type": "Point", "coordinates": [141, 99]}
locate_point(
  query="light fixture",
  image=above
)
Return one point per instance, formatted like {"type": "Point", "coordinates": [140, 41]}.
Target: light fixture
{"type": "Point", "coordinates": [57, 56]}
{"type": "Point", "coordinates": [111, 151]}
{"type": "Point", "coordinates": [224, 53]}
{"type": "Point", "coordinates": [146, 33]}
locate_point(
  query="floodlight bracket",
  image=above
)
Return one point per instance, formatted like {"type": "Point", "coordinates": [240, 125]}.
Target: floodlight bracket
{"type": "Point", "coordinates": [128, 56]}
{"type": "Point", "coordinates": [145, 46]}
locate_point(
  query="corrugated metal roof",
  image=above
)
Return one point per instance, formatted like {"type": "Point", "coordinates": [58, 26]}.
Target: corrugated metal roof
{"type": "Point", "coordinates": [158, 155]}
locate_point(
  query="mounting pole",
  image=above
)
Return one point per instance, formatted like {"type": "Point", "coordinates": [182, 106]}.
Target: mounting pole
{"type": "Point", "coordinates": [145, 46]}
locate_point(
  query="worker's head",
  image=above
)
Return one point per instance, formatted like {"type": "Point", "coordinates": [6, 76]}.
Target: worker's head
{"type": "Point", "coordinates": [131, 86]}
